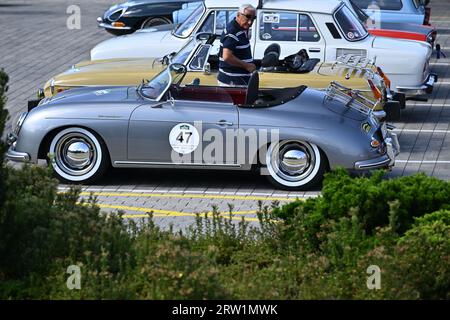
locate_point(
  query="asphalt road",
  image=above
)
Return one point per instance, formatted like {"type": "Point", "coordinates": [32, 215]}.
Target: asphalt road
{"type": "Point", "coordinates": [37, 44]}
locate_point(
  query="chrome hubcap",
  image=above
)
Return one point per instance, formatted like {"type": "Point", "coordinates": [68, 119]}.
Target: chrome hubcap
{"type": "Point", "coordinates": [78, 154]}
{"type": "Point", "coordinates": [294, 161]}
{"type": "Point", "coordinates": [75, 154]}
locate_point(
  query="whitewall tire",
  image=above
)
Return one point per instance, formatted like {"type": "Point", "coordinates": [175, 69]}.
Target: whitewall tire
{"type": "Point", "coordinates": [295, 165]}
{"type": "Point", "coordinates": [78, 155]}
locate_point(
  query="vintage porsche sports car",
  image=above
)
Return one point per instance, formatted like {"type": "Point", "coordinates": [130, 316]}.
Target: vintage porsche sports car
{"type": "Point", "coordinates": [127, 17]}
{"type": "Point", "coordinates": [293, 135]}
{"type": "Point", "coordinates": [400, 30]}
{"type": "Point", "coordinates": [407, 11]}
{"type": "Point", "coordinates": [351, 71]}
{"type": "Point", "coordinates": [327, 29]}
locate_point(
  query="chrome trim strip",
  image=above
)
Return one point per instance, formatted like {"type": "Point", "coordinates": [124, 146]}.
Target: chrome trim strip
{"type": "Point", "coordinates": [145, 163]}
{"type": "Point", "coordinates": [363, 165]}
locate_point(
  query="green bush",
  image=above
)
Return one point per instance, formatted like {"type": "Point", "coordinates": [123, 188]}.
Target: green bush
{"type": "Point", "coordinates": [3, 116]}
{"type": "Point", "coordinates": [371, 203]}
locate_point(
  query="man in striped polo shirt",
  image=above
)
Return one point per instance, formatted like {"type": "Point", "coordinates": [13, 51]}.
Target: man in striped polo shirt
{"type": "Point", "coordinates": [235, 55]}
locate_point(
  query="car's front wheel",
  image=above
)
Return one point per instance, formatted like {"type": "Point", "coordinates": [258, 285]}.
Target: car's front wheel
{"type": "Point", "coordinates": [295, 165]}
{"type": "Point", "coordinates": [153, 22]}
{"type": "Point", "coordinates": [78, 155]}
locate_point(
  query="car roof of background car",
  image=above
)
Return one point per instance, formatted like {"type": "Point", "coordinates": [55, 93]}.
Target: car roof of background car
{"type": "Point", "coordinates": [230, 3]}
{"type": "Point", "coordinates": [321, 6]}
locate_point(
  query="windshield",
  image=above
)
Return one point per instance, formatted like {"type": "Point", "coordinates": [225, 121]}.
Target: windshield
{"type": "Point", "coordinates": [362, 16]}
{"type": "Point", "coordinates": [351, 27]}
{"type": "Point", "coordinates": [185, 29]}
{"type": "Point", "coordinates": [184, 53]}
{"type": "Point", "coordinates": [155, 88]}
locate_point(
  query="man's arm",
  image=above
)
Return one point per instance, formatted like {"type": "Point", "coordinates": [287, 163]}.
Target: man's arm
{"type": "Point", "coordinates": [231, 59]}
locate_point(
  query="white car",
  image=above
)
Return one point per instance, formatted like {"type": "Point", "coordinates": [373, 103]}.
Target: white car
{"type": "Point", "coordinates": [327, 29]}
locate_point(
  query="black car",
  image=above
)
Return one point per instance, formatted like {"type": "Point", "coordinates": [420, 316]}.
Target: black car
{"type": "Point", "coordinates": [127, 17]}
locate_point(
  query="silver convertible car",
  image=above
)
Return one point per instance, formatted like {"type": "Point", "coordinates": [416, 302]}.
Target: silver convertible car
{"type": "Point", "coordinates": [292, 135]}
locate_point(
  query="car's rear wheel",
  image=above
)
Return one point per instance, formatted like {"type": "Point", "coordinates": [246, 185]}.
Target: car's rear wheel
{"type": "Point", "coordinates": [153, 22]}
{"type": "Point", "coordinates": [78, 155]}
{"type": "Point", "coordinates": [295, 165]}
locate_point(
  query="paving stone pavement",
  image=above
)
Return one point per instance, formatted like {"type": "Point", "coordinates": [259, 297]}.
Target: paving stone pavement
{"type": "Point", "coordinates": [36, 44]}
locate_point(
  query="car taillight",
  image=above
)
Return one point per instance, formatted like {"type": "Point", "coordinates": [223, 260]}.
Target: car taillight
{"type": "Point", "coordinates": [426, 20]}
{"type": "Point", "coordinates": [375, 90]}
{"type": "Point", "coordinates": [387, 81]}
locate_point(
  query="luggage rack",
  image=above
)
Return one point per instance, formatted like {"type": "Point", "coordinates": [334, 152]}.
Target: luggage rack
{"type": "Point", "coordinates": [351, 98]}
{"type": "Point", "coordinates": [355, 62]}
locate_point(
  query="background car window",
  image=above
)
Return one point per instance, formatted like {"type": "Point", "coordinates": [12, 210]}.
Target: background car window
{"type": "Point", "coordinates": [223, 18]}
{"type": "Point", "coordinates": [278, 26]}
{"type": "Point", "coordinates": [208, 25]}
{"type": "Point", "coordinates": [383, 4]}
{"type": "Point", "coordinates": [349, 24]}
{"type": "Point", "coordinates": [307, 31]}
{"type": "Point", "coordinates": [185, 29]}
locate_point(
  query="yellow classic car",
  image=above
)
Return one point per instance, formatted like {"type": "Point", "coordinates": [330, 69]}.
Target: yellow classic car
{"type": "Point", "coordinates": [349, 71]}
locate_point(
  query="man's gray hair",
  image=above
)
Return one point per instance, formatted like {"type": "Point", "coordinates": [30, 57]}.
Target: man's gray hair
{"type": "Point", "coordinates": [244, 7]}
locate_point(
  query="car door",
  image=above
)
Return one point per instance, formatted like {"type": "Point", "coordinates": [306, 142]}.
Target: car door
{"type": "Point", "coordinates": [293, 31]}
{"type": "Point", "coordinates": [181, 130]}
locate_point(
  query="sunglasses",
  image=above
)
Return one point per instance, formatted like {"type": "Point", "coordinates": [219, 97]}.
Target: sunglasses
{"type": "Point", "coordinates": [249, 16]}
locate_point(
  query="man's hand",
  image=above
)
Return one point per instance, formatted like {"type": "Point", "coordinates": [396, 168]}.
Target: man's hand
{"type": "Point", "coordinates": [250, 67]}
{"type": "Point", "coordinates": [231, 59]}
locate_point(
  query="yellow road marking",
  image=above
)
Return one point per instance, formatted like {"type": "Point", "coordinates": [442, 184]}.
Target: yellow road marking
{"type": "Point", "coordinates": [167, 213]}
{"type": "Point", "coordinates": [182, 196]}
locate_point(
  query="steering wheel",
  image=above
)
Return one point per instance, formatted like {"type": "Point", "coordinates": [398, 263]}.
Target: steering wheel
{"type": "Point", "coordinates": [297, 60]}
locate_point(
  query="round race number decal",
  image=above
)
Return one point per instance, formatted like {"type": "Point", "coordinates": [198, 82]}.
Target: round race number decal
{"type": "Point", "coordinates": [184, 138]}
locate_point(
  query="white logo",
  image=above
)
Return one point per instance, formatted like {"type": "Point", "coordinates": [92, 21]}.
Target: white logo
{"type": "Point", "coordinates": [374, 281]}
{"type": "Point", "coordinates": [74, 20]}
{"type": "Point", "coordinates": [74, 281]}
{"type": "Point", "coordinates": [101, 92]}
{"type": "Point", "coordinates": [184, 138]}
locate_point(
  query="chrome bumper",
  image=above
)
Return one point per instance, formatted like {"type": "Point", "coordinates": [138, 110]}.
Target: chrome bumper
{"type": "Point", "coordinates": [17, 156]}
{"type": "Point", "coordinates": [12, 154]}
{"type": "Point", "coordinates": [102, 24]}
{"type": "Point", "coordinates": [426, 88]}
{"type": "Point", "coordinates": [385, 161]}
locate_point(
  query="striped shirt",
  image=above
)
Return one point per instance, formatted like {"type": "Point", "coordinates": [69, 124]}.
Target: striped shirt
{"type": "Point", "coordinates": [235, 39]}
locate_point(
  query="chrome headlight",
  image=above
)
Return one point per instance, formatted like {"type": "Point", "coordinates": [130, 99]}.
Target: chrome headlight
{"type": "Point", "coordinates": [115, 15]}
{"type": "Point", "coordinates": [19, 123]}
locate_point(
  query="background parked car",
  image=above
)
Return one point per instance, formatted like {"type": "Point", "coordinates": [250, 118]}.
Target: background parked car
{"type": "Point", "coordinates": [179, 16]}
{"type": "Point", "coordinates": [399, 30]}
{"type": "Point", "coordinates": [127, 17]}
{"type": "Point", "coordinates": [327, 29]}
{"type": "Point", "coordinates": [408, 11]}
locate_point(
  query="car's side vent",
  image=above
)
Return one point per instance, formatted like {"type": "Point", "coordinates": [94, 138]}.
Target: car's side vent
{"type": "Point", "coordinates": [356, 52]}
{"type": "Point", "coordinates": [333, 30]}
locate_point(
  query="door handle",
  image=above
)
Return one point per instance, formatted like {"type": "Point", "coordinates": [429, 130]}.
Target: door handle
{"type": "Point", "coordinates": [314, 49]}
{"type": "Point", "coordinates": [224, 123]}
